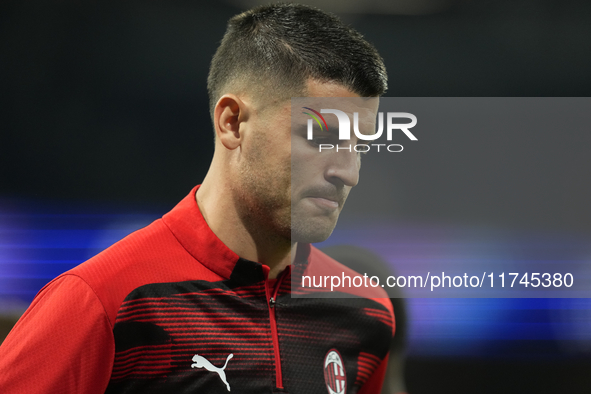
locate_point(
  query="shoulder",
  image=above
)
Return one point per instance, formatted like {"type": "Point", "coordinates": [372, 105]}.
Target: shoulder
{"type": "Point", "coordinates": [149, 255]}
{"type": "Point", "coordinates": [359, 284]}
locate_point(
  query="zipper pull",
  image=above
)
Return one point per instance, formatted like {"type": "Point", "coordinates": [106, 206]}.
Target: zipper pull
{"type": "Point", "coordinates": [272, 302]}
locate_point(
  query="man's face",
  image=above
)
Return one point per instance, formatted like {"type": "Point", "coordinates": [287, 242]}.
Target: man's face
{"type": "Point", "coordinates": [322, 180]}
{"type": "Point", "coordinates": [286, 182]}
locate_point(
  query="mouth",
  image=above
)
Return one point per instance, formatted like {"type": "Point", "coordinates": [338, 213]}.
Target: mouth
{"type": "Point", "coordinates": [326, 200]}
{"type": "Point", "coordinates": [329, 203]}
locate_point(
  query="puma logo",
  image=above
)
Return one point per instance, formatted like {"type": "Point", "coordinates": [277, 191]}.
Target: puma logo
{"type": "Point", "coordinates": [202, 362]}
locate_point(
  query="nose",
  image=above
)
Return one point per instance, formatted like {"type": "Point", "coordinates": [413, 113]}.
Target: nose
{"type": "Point", "coordinates": [343, 166]}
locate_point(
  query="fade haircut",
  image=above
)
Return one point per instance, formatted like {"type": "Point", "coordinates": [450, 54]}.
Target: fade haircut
{"type": "Point", "coordinates": [271, 51]}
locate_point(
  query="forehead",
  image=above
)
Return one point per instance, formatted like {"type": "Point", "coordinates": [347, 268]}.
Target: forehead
{"type": "Point", "coordinates": [360, 110]}
{"type": "Point", "coordinates": [365, 106]}
{"type": "Point", "coordinates": [336, 96]}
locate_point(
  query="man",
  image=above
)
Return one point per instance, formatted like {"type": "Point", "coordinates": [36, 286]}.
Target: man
{"type": "Point", "coordinates": [200, 300]}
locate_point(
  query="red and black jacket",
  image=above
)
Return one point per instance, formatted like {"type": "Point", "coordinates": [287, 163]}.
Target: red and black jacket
{"type": "Point", "coordinates": [136, 317]}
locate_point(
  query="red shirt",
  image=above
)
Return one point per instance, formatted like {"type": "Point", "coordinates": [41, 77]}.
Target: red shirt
{"type": "Point", "coordinates": [162, 310]}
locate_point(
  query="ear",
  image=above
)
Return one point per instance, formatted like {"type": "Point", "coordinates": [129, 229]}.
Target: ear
{"type": "Point", "coordinates": [229, 112]}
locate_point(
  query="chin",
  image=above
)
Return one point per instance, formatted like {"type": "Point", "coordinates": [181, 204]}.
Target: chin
{"type": "Point", "coordinates": [309, 232]}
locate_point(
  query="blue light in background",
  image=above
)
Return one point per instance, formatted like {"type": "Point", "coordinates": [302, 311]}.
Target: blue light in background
{"type": "Point", "coordinates": [39, 242]}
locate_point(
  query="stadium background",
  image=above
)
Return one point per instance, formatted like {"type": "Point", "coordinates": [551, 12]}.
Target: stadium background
{"type": "Point", "coordinates": [104, 127]}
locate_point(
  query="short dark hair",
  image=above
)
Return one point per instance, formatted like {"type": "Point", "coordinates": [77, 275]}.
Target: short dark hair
{"type": "Point", "coordinates": [283, 45]}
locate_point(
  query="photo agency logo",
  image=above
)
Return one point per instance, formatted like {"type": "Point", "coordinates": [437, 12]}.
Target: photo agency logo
{"type": "Point", "coordinates": [344, 131]}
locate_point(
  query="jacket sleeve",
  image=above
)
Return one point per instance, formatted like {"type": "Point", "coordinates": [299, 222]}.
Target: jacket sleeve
{"type": "Point", "coordinates": [62, 344]}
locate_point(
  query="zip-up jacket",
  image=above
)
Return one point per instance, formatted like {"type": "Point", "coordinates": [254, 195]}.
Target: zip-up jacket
{"type": "Point", "coordinates": [171, 309]}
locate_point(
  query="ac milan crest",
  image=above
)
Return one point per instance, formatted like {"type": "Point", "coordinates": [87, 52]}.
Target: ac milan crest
{"type": "Point", "coordinates": [334, 373]}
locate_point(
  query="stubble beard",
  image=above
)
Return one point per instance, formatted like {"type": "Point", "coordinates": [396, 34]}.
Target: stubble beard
{"type": "Point", "coordinates": [310, 229]}
{"type": "Point", "coordinates": [263, 197]}
{"type": "Point", "coordinates": [267, 207]}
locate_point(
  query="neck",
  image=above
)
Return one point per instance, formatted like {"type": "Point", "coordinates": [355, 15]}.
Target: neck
{"type": "Point", "coordinates": [247, 240]}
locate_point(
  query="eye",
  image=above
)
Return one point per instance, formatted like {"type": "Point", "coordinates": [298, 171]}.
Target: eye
{"type": "Point", "coordinates": [324, 139]}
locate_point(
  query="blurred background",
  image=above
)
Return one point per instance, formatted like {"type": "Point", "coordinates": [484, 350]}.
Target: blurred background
{"type": "Point", "coordinates": [104, 127]}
